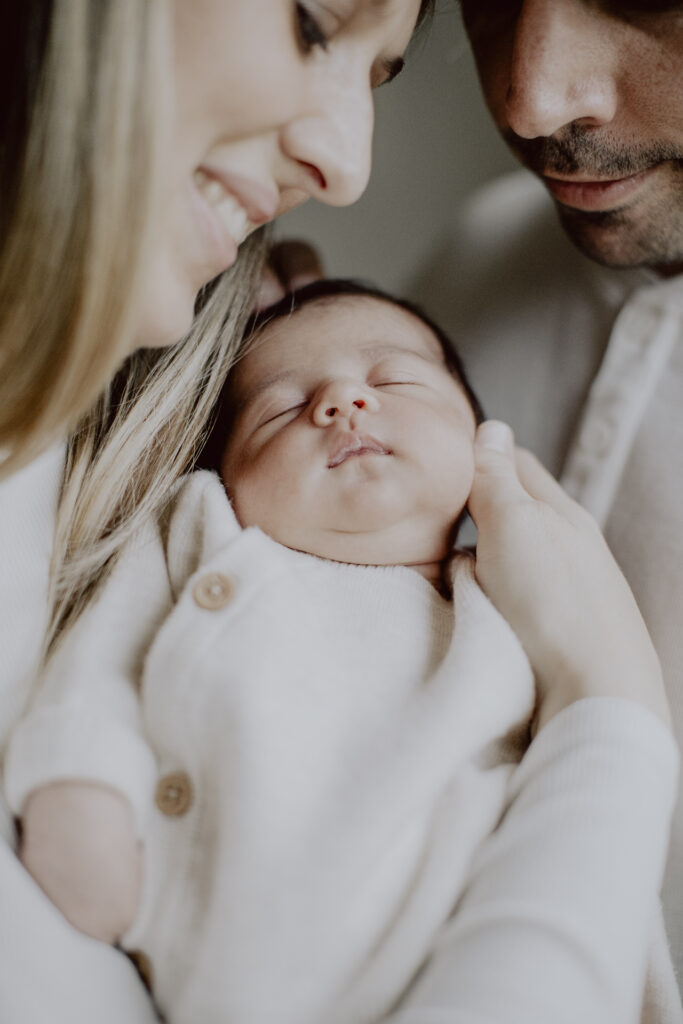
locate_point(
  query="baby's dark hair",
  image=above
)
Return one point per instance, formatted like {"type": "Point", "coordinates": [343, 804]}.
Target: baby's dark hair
{"type": "Point", "coordinates": [322, 291]}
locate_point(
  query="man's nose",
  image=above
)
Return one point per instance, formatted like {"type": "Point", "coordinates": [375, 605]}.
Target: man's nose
{"type": "Point", "coordinates": [334, 138]}
{"type": "Point", "coordinates": [342, 399]}
{"type": "Point", "coordinates": [562, 68]}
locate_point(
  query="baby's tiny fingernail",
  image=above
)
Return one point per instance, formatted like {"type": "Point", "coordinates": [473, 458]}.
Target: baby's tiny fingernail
{"type": "Point", "coordinates": [495, 435]}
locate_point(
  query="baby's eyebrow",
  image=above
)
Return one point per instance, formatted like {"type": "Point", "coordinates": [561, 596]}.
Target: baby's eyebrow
{"type": "Point", "coordinates": [374, 351]}
{"type": "Point", "coordinates": [377, 351]}
{"type": "Point", "coordinates": [262, 385]}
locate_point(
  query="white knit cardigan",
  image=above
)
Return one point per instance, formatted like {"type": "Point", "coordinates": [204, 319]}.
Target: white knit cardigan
{"type": "Point", "coordinates": [348, 741]}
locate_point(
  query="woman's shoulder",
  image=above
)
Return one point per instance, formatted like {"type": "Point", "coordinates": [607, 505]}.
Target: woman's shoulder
{"type": "Point", "coordinates": [33, 490]}
{"type": "Point", "coordinates": [28, 508]}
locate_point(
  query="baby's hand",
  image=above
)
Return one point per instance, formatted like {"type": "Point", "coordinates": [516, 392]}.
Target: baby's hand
{"type": "Point", "coordinates": [543, 562]}
{"type": "Point", "coordinates": [79, 844]}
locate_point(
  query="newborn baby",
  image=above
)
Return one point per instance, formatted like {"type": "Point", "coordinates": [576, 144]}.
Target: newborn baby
{"type": "Point", "coordinates": [302, 705]}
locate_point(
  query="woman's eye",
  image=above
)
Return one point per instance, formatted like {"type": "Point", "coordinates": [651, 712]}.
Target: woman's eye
{"type": "Point", "coordinates": [309, 31]}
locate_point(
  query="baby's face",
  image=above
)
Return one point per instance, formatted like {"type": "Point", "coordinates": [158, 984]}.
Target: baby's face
{"type": "Point", "coordinates": [351, 440]}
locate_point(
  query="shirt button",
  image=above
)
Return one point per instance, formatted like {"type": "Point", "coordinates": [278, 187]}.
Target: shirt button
{"type": "Point", "coordinates": [174, 794]}
{"type": "Point", "coordinates": [213, 591]}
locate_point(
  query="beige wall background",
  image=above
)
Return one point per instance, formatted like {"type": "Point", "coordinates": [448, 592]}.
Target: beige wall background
{"type": "Point", "coordinates": [434, 144]}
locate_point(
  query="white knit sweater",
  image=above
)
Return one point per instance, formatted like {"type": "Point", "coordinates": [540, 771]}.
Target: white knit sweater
{"type": "Point", "coordinates": [49, 973]}
{"type": "Point", "coordinates": [343, 741]}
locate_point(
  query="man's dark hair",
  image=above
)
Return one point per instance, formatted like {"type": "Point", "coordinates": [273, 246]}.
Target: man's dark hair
{"type": "Point", "coordinates": [426, 8]}
{"type": "Point", "coordinates": [320, 292]}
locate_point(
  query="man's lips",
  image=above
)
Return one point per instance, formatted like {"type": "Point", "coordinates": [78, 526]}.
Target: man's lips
{"type": "Point", "coordinates": [350, 445]}
{"type": "Point", "coordinates": [595, 196]}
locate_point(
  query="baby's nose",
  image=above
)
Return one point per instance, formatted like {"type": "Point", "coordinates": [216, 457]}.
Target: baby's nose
{"type": "Point", "coordinates": [343, 399]}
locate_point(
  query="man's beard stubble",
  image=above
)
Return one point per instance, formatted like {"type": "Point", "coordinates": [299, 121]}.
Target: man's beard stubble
{"type": "Point", "coordinates": [626, 236]}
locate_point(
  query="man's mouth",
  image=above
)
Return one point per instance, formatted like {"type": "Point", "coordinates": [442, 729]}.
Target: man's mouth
{"type": "Point", "coordinates": [351, 445]}
{"type": "Point", "coordinates": [595, 195]}
{"type": "Point", "coordinates": [589, 171]}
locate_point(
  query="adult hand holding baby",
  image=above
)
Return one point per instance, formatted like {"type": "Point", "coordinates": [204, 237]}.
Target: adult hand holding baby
{"type": "Point", "coordinates": [544, 564]}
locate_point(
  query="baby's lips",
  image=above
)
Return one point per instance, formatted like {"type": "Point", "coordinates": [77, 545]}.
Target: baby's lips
{"type": "Point", "coordinates": [353, 444]}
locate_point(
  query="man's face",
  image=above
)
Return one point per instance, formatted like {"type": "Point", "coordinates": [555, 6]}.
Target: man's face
{"type": "Point", "coordinates": [351, 438]}
{"type": "Point", "coordinates": [589, 96]}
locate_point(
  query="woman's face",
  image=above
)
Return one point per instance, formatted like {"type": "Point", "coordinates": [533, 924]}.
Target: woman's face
{"type": "Point", "coordinates": [272, 104]}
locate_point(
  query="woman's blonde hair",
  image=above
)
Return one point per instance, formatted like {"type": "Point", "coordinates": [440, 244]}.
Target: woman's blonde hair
{"type": "Point", "coordinates": [83, 108]}
{"type": "Point", "coordinates": [141, 436]}
{"type": "Point", "coordinates": [81, 101]}
{"type": "Point", "coordinates": [83, 91]}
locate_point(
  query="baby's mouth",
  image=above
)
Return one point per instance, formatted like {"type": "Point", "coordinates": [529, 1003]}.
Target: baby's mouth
{"type": "Point", "coordinates": [350, 445]}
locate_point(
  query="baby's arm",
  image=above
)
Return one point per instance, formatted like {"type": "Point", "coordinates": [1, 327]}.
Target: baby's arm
{"type": "Point", "coordinates": [79, 771]}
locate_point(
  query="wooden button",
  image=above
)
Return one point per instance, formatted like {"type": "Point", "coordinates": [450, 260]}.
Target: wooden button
{"type": "Point", "coordinates": [143, 966]}
{"type": "Point", "coordinates": [174, 793]}
{"type": "Point", "coordinates": [213, 591]}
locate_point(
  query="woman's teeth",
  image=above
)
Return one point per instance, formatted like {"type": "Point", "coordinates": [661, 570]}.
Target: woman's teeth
{"type": "Point", "coordinates": [232, 215]}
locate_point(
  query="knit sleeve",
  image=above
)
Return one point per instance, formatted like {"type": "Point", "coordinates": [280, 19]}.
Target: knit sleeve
{"type": "Point", "coordinates": [85, 722]}
{"type": "Point", "coordinates": [554, 924]}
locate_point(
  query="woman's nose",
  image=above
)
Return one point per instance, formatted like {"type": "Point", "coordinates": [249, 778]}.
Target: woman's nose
{"type": "Point", "coordinates": [333, 139]}
{"type": "Point", "coordinates": [562, 68]}
{"type": "Point", "coordinates": [342, 399]}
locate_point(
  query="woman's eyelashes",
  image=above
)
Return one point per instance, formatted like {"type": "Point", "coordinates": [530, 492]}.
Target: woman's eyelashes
{"type": "Point", "coordinates": [309, 29]}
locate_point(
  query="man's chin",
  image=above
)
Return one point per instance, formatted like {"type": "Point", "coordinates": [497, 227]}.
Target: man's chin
{"type": "Point", "coordinates": [611, 239]}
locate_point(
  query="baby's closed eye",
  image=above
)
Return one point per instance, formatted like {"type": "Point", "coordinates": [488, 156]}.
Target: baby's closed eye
{"type": "Point", "coordinates": [288, 408]}
{"type": "Point", "coordinates": [397, 382]}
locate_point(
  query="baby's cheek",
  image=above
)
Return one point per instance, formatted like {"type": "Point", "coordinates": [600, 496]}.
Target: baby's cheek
{"type": "Point", "coordinates": [266, 494]}
{"type": "Point", "coordinates": [460, 473]}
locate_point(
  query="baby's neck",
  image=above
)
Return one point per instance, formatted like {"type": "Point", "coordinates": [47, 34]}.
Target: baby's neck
{"type": "Point", "coordinates": [435, 573]}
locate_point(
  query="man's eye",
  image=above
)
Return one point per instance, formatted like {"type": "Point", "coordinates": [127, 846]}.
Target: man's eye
{"type": "Point", "coordinates": [308, 29]}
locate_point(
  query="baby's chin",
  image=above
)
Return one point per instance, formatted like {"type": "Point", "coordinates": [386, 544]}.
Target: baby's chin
{"type": "Point", "coordinates": [368, 548]}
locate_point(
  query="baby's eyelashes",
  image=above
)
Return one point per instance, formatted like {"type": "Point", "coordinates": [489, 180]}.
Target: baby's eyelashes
{"type": "Point", "coordinates": [396, 383]}
{"type": "Point", "coordinates": [289, 410]}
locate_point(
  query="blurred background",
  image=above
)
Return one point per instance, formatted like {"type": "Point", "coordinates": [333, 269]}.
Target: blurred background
{"type": "Point", "coordinates": [434, 144]}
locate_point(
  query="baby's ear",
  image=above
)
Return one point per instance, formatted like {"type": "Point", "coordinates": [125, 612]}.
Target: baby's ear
{"type": "Point", "coordinates": [290, 264]}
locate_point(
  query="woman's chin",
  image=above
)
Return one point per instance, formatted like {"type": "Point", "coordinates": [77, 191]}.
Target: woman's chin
{"type": "Point", "coordinates": [163, 327]}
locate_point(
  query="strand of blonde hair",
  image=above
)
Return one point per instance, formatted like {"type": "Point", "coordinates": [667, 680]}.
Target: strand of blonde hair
{"type": "Point", "coordinates": [143, 433]}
